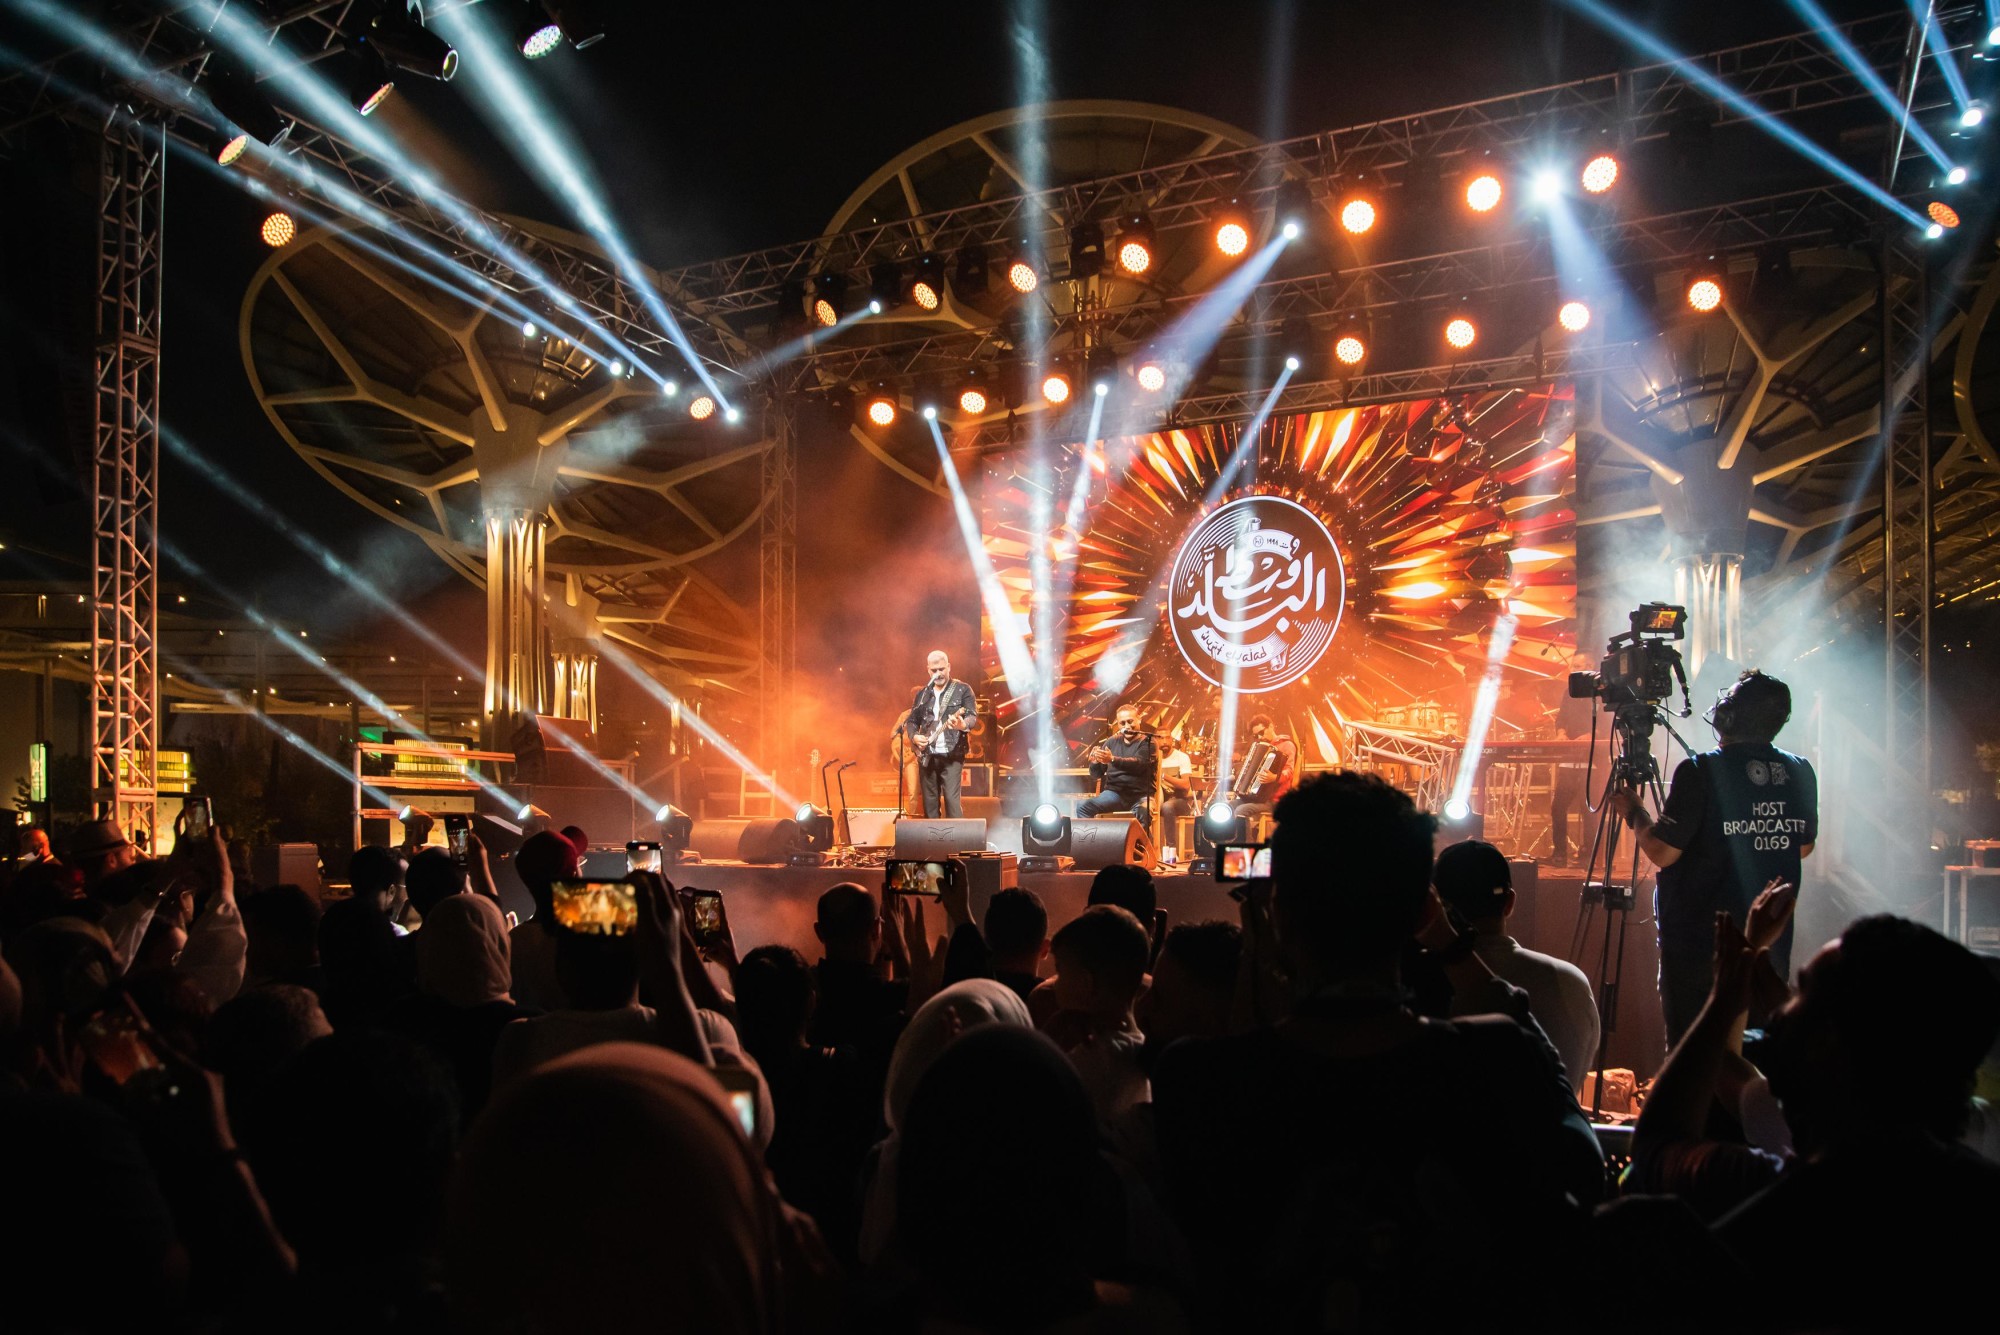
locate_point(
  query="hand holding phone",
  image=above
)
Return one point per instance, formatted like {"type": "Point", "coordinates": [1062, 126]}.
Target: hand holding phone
{"type": "Point", "coordinates": [595, 908]}
{"type": "Point", "coordinates": [643, 855]}
{"type": "Point", "coordinates": [1236, 863]}
{"type": "Point", "coordinates": [906, 876]}
{"type": "Point", "coordinates": [199, 814]}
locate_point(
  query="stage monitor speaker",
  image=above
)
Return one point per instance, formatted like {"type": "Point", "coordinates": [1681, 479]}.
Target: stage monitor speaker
{"type": "Point", "coordinates": [717, 839]}
{"type": "Point", "coordinates": [872, 827]}
{"type": "Point", "coordinates": [923, 839]}
{"type": "Point", "coordinates": [1100, 841]}
{"type": "Point", "coordinates": [772, 839]}
{"type": "Point", "coordinates": [287, 864]}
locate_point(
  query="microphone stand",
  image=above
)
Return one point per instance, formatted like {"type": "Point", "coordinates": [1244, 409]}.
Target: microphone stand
{"type": "Point", "coordinates": [840, 777]}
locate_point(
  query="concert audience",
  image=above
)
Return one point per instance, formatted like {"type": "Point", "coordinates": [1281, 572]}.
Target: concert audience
{"type": "Point", "coordinates": [1474, 881]}
{"type": "Point", "coordinates": [541, 861]}
{"type": "Point", "coordinates": [383, 1136]}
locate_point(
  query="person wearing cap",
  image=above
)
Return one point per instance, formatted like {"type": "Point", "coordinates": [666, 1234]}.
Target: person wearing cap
{"type": "Point", "coordinates": [1474, 881]}
{"type": "Point", "coordinates": [99, 849]}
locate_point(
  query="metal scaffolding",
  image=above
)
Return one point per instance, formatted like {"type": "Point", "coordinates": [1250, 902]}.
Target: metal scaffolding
{"type": "Point", "coordinates": [777, 586]}
{"type": "Point", "coordinates": [124, 695]}
{"type": "Point", "coordinates": [1908, 577]}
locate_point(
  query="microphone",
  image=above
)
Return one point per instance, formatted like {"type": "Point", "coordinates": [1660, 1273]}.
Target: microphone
{"type": "Point", "coordinates": [849, 765]}
{"type": "Point", "coordinates": [830, 764]}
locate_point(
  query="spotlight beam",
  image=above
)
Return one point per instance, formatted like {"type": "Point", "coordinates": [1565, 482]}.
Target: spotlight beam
{"type": "Point", "coordinates": [553, 158]}
{"type": "Point", "coordinates": [1482, 710]}
{"type": "Point", "coordinates": [1828, 32]}
{"type": "Point", "coordinates": [1633, 35]}
{"type": "Point", "coordinates": [1925, 12]}
{"type": "Point", "coordinates": [610, 653]}
{"type": "Point", "coordinates": [1015, 661]}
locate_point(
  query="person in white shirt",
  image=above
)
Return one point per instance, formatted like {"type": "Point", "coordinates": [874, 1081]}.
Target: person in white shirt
{"type": "Point", "coordinates": [1474, 881]}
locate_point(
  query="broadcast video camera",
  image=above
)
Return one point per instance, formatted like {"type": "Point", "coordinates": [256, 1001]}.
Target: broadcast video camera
{"type": "Point", "coordinates": [1640, 665]}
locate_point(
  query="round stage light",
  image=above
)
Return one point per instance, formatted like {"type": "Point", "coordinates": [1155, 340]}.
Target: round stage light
{"type": "Point", "coordinates": [1022, 277]}
{"type": "Point", "coordinates": [541, 40]}
{"type": "Point", "coordinates": [1056, 387]}
{"type": "Point", "coordinates": [233, 149]}
{"type": "Point", "coordinates": [1348, 349]}
{"type": "Point", "coordinates": [1292, 362]}
{"type": "Point", "coordinates": [1232, 238]}
{"type": "Point", "coordinates": [375, 97]}
{"type": "Point", "coordinates": [1482, 193]}
{"type": "Point", "coordinates": [1101, 388]}
{"type": "Point", "coordinates": [1993, 35]}
{"type": "Point", "coordinates": [1574, 316]}
{"type": "Point", "coordinates": [1956, 176]}
{"type": "Point", "coordinates": [1220, 814]}
{"type": "Point", "coordinates": [874, 305]}
{"type": "Point", "coordinates": [1932, 232]}
{"type": "Point", "coordinates": [882, 410]}
{"type": "Point", "coordinates": [1547, 185]}
{"type": "Point", "coordinates": [1290, 231]}
{"type": "Point", "coordinates": [732, 414]}
{"type": "Point", "coordinates": [669, 388]}
{"type": "Point", "coordinates": [702, 408]}
{"type": "Point", "coordinates": [824, 313]}
{"type": "Point", "coordinates": [925, 295]}
{"type": "Point", "coordinates": [972, 401]}
{"type": "Point", "coordinates": [1357, 216]}
{"type": "Point", "coordinates": [279, 229]}
{"type": "Point", "coordinates": [1705, 294]}
{"type": "Point", "coordinates": [1134, 257]}
{"type": "Point", "coordinates": [529, 329]}
{"type": "Point", "coordinates": [1943, 214]}
{"type": "Point", "coordinates": [1459, 332]}
{"type": "Point", "coordinates": [1972, 116]}
{"type": "Point", "coordinates": [1457, 809]}
{"type": "Point", "coordinates": [1046, 818]}
{"type": "Point", "coordinates": [617, 367]}
{"type": "Point", "coordinates": [1600, 173]}
{"type": "Point", "coordinates": [1152, 377]}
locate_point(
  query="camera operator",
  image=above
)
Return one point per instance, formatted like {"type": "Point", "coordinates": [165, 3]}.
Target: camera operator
{"type": "Point", "coordinates": [1736, 819]}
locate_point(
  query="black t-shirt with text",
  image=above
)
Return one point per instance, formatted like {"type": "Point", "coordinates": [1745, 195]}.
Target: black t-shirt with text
{"type": "Point", "coordinates": [1739, 814]}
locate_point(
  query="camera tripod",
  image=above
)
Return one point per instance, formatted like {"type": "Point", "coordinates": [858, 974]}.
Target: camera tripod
{"type": "Point", "coordinates": [1633, 766]}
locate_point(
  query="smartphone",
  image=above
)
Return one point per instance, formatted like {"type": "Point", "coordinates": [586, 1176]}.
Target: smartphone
{"type": "Point", "coordinates": [457, 826]}
{"type": "Point", "coordinates": [200, 816]}
{"type": "Point", "coordinates": [740, 1088]}
{"type": "Point", "coordinates": [901, 876]}
{"type": "Point", "coordinates": [704, 911]}
{"type": "Point", "coordinates": [117, 1043]}
{"type": "Point", "coordinates": [642, 855]}
{"type": "Point", "coordinates": [595, 908]}
{"type": "Point", "coordinates": [1242, 862]}
{"type": "Point", "coordinates": [460, 849]}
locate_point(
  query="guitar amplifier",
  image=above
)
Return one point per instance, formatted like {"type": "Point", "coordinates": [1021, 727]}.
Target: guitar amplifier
{"type": "Point", "coordinates": [869, 827]}
{"type": "Point", "coordinates": [978, 746]}
{"type": "Point", "coordinates": [976, 781]}
{"type": "Point", "coordinates": [986, 875]}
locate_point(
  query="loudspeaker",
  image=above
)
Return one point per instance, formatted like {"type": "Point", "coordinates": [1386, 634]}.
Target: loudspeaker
{"type": "Point", "coordinates": [766, 839]}
{"type": "Point", "coordinates": [1100, 841]}
{"type": "Point", "coordinates": [923, 839]}
{"type": "Point", "coordinates": [287, 864]}
{"type": "Point", "coordinates": [986, 875]}
{"type": "Point", "coordinates": [871, 827]}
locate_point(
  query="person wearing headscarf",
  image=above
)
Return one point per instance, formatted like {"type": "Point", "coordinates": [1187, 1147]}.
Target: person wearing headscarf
{"type": "Point", "coordinates": [1009, 1211]}
{"type": "Point", "coordinates": [965, 1005]}
{"type": "Point", "coordinates": [462, 1000]}
{"type": "Point", "coordinates": [649, 1208]}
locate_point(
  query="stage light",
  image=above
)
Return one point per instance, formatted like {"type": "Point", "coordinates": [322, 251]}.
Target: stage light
{"type": "Point", "coordinates": [1232, 230]}
{"type": "Point", "coordinates": [972, 395]}
{"type": "Point", "coordinates": [616, 368]}
{"type": "Point", "coordinates": [1460, 332]}
{"type": "Point", "coordinates": [927, 283]}
{"type": "Point", "coordinates": [1600, 173]}
{"type": "Point", "coordinates": [1349, 349]}
{"type": "Point", "coordinates": [580, 21]}
{"type": "Point", "coordinates": [1293, 210]}
{"type": "Point", "coordinates": [1942, 214]}
{"type": "Point", "coordinates": [1086, 250]}
{"type": "Point", "coordinates": [1357, 215]}
{"type": "Point", "coordinates": [1056, 386]}
{"type": "Point", "coordinates": [1547, 185]}
{"type": "Point", "coordinates": [885, 286]}
{"type": "Point", "coordinates": [537, 36]}
{"type": "Point", "coordinates": [1047, 818]}
{"type": "Point", "coordinates": [676, 828]}
{"type": "Point", "coordinates": [1972, 116]}
{"type": "Point", "coordinates": [1993, 35]}
{"type": "Point", "coordinates": [1101, 370]}
{"type": "Point", "coordinates": [669, 388]}
{"type": "Point", "coordinates": [1135, 244]}
{"type": "Point", "coordinates": [1705, 294]}
{"type": "Point", "coordinates": [278, 229]}
{"type": "Point", "coordinates": [1457, 809]}
{"type": "Point", "coordinates": [732, 415]}
{"type": "Point", "coordinates": [1023, 274]}
{"type": "Point", "coordinates": [1956, 176]}
{"type": "Point", "coordinates": [249, 114]}
{"type": "Point", "coordinates": [529, 329]}
{"type": "Point", "coordinates": [1574, 316]}
{"type": "Point", "coordinates": [369, 86]}
{"type": "Point", "coordinates": [1152, 377]}
{"type": "Point", "coordinates": [829, 299]}
{"type": "Point", "coordinates": [881, 406]}
{"type": "Point", "coordinates": [1482, 193]}
{"type": "Point", "coordinates": [404, 42]}
{"type": "Point", "coordinates": [971, 276]}
{"type": "Point", "coordinates": [1932, 231]}
{"type": "Point", "coordinates": [702, 408]}
{"type": "Point", "coordinates": [927, 397]}
{"type": "Point", "coordinates": [817, 823]}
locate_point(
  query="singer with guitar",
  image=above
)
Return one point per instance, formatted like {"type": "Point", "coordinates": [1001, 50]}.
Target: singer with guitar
{"type": "Point", "coordinates": [1126, 766]}
{"type": "Point", "coordinates": [943, 711]}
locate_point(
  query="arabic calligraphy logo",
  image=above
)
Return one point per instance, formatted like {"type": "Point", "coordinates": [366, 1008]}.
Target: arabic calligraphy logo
{"type": "Point", "coordinates": [1258, 587]}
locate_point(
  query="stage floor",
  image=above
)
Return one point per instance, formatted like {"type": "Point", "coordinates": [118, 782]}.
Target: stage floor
{"type": "Point", "coordinates": [776, 905]}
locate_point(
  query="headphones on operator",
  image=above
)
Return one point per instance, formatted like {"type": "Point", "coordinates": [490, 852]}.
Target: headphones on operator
{"type": "Point", "coordinates": [1753, 699]}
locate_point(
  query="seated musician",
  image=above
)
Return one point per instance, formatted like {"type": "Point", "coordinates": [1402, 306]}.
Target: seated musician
{"type": "Point", "coordinates": [1176, 787]}
{"type": "Point", "coordinates": [1278, 775]}
{"type": "Point", "coordinates": [1125, 766]}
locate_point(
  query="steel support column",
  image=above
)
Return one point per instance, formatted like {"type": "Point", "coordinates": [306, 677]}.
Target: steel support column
{"type": "Point", "coordinates": [1907, 575]}
{"type": "Point", "coordinates": [124, 699]}
{"type": "Point", "coordinates": [777, 586]}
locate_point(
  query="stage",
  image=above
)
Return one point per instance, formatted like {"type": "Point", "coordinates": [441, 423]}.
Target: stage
{"type": "Point", "coordinates": [775, 905]}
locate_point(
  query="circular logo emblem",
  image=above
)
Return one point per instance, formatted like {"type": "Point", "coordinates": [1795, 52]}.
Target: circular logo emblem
{"type": "Point", "coordinates": [1256, 594]}
{"type": "Point", "coordinates": [1759, 772]}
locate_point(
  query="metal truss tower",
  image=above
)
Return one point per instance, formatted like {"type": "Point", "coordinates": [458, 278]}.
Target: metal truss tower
{"type": "Point", "coordinates": [1908, 583]}
{"type": "Point", "coordinates": [125, 696]}
{"type": "Point", "coordinates": [777, 585]}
